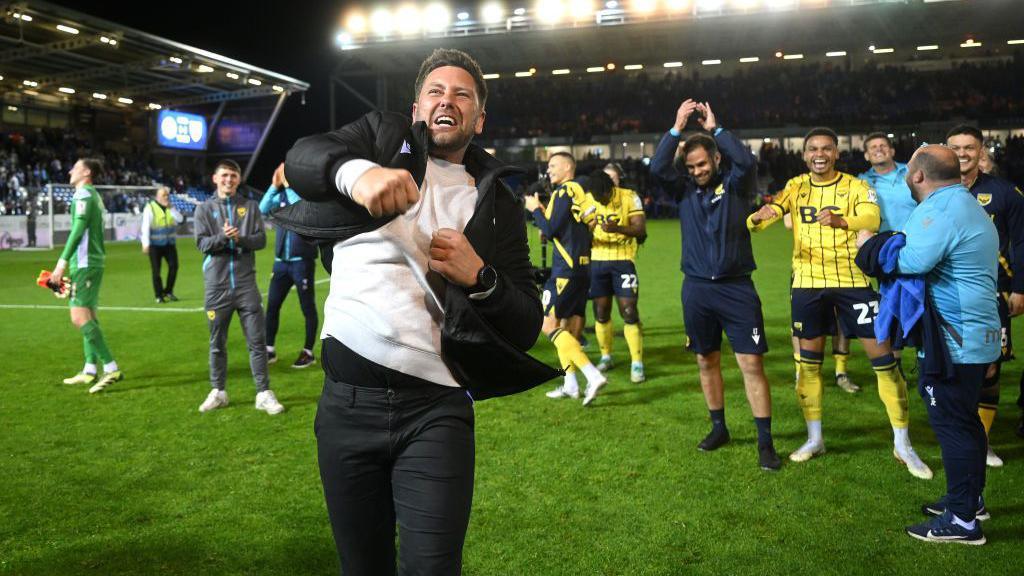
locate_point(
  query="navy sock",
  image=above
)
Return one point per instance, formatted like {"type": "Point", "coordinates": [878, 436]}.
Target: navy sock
{"type": "Point", "coordinates": [764, 430]}
{"type": "Point", "coordinates": [718, 418]}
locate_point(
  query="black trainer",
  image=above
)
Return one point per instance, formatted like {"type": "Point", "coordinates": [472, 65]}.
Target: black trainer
{"type": "Point", "coordinates": [718, 437]}
{"type": "Point", "coordinates": [170, 297]}
{"type": "Point", "coordinates": [305, 360]}
{"type": "Point", "coordinates": [768, 458]}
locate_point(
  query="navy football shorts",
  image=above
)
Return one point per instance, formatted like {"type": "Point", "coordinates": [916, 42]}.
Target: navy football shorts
{"type": "Point", "coordinates": [616, 277]}
{"type": "Point", "coordinates": [566, 295]}
{"type": "Point", "coordinates": [815, 311]}
{"type": "Point", "coordinates": [732, 305]}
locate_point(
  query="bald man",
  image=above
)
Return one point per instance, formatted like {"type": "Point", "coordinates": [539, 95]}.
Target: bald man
{"type": "Point", "coordinates": [952, 244]}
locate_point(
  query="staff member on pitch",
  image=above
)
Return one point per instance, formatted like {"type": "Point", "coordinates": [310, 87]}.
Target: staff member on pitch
{"type": "Point", "coordinates": [432, 298]}
{"type": "Point", "coordinates": [294, 265]}
{"type": "Point", "coordinates": [717, 293]}
{"type": "Point", "coordinates": [160, 223]}
{"type": "Point", "coordinates": [229, 231]}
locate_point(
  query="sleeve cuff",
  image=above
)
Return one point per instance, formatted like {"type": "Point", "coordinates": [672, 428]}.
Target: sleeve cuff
{"type": "Point", "coordinates": [718, 130]}
{"type": "Point", "coordinates": [484, 295]}
{"type": "Point", "coordinates": [675, 133]}
{"type": "Point", "coordinates": [350, 172]}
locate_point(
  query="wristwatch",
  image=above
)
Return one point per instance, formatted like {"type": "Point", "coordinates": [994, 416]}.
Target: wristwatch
{"type": "Point", "coordinates": [486, 280]}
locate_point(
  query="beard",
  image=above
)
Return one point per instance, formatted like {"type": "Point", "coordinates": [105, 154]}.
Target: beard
{"type": "Point", "coordinates": [451, 141]}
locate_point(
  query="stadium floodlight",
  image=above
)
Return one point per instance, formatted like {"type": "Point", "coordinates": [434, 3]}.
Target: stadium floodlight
{"type": "Point", "coordinates": [277, 88]}
{"type": "Point", "coordinates": [408, 20]}
{"type": "Point", "coordinates": [105, 39]}
{"type": "Point", "coordinates": [203, 69]}
{"type": "Point", "coordinates": [793, 57]}
{"type": "Point", "coordinates": [928, 47]}
{"type": "Point", "coordinates": [175, 59]}
{"type": "Point", "coordinates": [581, 9]}
{"type": "Point", "coordinates": [381, 22]}
{"type": "Point", "coordinates": [232, 75]}
{"type": "Point", "coordinates": [749, 59]}
{"type": "Point", "coordinates": [520, 11]}
{"type": "Point", "coordinates": [645, 6]}
{"type": "Point", "coordinates": [526, 74]}
{"type": "Point", "coordinates": [124, 100]}
{"type": "Point", "coordinates": [672, 64]}
{"type": "Point", "coordinates": [99, 96]}
{"type": "Point", "coordinates": [971, 43]}
{"type": "Point", "coordinates": [835, 54]}
{"type": "Point", "coordinates": [1014, 42]}
{"type": "Point", "coordinates": [634, 67]}
{"type": "Point", "coordinates": [595, 69]}
{"type": "Point", "coordinates": [30, 83]}
{"type": "Point", "coordinates": [355, 23]}
{"type": "Point", "coordinates": [154, 106]}
{"type": "Point", "coordinates": [22, 17]}
{"type": "Point", "coordinates": [12, 108]}
{"type": "Point", "coordinates": [560, 71]}
{"type": "Point", "coordinates": [255, 81]}
{"type": "Point", "coordinates": [436, 17]}
{"type": "Point", "coordinates": [611, 4]}
{"type": "Point", "coordinates": [492, 13]}
{"type": "Point", "coordinates": [549, 11]}
{"type": "Point", "coordinates": [462, 16]}
{"type": "Point", "coordinates": [883, 50]}
{"type": "Point", "coordinates": [714, 62]}
{"type": "Point", "coordinates": [709, 5]}
{"type": "Point", "coordinates": [67, 29]}
{"type": "Point", "coordinates": [66, 90]}
{"type": "Point", "coordinates": [492, 76]}
{"type": "Point", "coordinates": [677, 5]}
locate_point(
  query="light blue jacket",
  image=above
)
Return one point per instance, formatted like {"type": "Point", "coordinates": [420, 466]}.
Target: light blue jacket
{"type": "Point", "coordinates": [954, 245]}
{"type": "Point", "coordinates": [894, 197]}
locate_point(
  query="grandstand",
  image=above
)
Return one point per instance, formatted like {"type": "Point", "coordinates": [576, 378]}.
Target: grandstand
{"type": "Point", "coordinates": [156, 110]}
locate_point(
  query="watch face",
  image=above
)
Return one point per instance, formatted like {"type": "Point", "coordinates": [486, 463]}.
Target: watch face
{"type": "Point", "coordinates": [488, 277]}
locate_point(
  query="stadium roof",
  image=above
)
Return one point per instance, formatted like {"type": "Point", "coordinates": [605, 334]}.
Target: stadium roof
{"type": "Point", "coordinates": [54, 54]}
{"type": "Point", "coordinates": [522, 40]}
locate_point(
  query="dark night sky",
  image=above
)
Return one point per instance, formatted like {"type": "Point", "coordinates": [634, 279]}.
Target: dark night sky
{"type": "Point", "coordinates": [290, 37]}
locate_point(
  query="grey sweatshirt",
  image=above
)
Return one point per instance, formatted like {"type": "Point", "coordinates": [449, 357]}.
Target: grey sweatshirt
{"type": "Point", "coordinates": [229, 265]}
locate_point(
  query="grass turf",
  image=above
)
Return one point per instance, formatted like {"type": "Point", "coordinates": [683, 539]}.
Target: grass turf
{"type": "Point", "coordinates": [136, 481]}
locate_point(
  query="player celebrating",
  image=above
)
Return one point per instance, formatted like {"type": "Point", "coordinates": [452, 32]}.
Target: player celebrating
{"type": "Point", "coordinates": [828, 208]}
{"type": "Point", "coordinates": [718, 293]}
{"type": "Point", "coordinates": [565, 222]}
{"type": "Point", "coordinates": [1005, 206]}
{"type": "Point", "coordinates": [620, 223]}
{"type": "Point", "coordinates": [83, 259]}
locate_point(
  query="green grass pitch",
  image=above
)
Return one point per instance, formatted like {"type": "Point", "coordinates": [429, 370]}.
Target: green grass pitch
{"type": "Point", "coordinates": [136, 481]}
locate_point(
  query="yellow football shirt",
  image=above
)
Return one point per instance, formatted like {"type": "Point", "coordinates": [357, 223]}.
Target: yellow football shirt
{"type": "Point", "coordinates": [623, 204]}
{"type": "Point", "coordinates": [823, 256]}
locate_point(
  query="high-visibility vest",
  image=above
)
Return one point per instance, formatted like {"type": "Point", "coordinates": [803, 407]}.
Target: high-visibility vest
{"type": "Point", "coordinates": [163, 227]}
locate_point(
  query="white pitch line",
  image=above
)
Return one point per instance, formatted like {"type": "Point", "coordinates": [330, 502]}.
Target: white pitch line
{"type": "Point", "coordinates": [118, 308]}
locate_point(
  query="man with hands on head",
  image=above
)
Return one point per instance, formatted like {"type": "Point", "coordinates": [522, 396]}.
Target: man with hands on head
{"type": "Point", "coordinates": [432, 305]}
{"type": "Point", "coordinates": [714, 179]}
{"type": "Point", "coordinates": [828, 208]}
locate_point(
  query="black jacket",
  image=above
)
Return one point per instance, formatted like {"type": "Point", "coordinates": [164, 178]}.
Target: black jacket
{"type": "Point", "coordinates": [483, 342]}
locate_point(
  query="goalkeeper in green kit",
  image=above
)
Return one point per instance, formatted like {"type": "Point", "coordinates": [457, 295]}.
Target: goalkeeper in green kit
{"type": "Point", "coordinates": [83, 258]}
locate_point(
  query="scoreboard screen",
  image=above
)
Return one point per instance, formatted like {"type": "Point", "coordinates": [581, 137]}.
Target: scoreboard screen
{"type": "Point", "coordinates": [181, 130]}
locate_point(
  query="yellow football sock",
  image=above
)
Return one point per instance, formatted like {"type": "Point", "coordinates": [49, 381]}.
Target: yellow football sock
{"type": "Point", "coordinates": [569, 349]}
{"type": "Point", "coordinates": [635, 341]}
{"type": "Point", "coordinates": [605, 334]}
{"type": "Point", "coordinates": [808, 385]}
{"type": "Point", "coordinates": [892, 389]}
{"type": "Point", "coordinates": [987, 415]}
{"type": "Point", "coordinates": [840, 363]}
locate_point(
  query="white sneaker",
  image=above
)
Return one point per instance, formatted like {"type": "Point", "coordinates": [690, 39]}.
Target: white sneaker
{"type": "Point", "coordinates": [215, 399]}
{"type": "Point", "coordinates": [606, 363]}
{"type": "Point", "coordinates": [593, 387]}
{"type": "Point", "coordinates": [809, 450]}
{"type": "Point", "coordinates": [636, 373]}
{"type": "Point", "coordinates": [916, 467]}
{"type": "Point", "coordinates": [561, 392]}
{"type": "Point", "coordinates": [992, 460]}
{"type": "Point", "coordinates": [267, 402]}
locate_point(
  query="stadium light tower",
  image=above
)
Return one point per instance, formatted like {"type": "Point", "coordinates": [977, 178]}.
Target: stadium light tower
{"type": "Point", "coordinates": [381, 22]}
{"type": "Point", "coordinates": [645, 6]}
{"type": "Point", "coordinates": [550, 11]}
{"type": "Point", "coordinates": [581, 9]}
{"type": "Point", "coordinates": [436, 17]}
{"type": "Point", "coordinates": [407, 20]}
{"type": "Point", "coordinates": [492, 13]}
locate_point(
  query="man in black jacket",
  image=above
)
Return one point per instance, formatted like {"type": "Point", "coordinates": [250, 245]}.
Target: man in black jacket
{"type": "Point", "coordinates": [432, 304]}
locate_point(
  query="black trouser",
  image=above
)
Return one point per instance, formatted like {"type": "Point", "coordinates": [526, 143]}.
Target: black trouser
{"type": "Point", "coordinates": [393, 448]}
{"type": "Point", "coordinates": [300, 274]}
{"type": "Point", "coordinates": [953, 413]}
{"type": "Point", "coordinates": [169, 253]}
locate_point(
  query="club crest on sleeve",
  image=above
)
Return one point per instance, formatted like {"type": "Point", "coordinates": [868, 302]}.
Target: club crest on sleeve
{"type": "Point", "coordinates": [984, 199]}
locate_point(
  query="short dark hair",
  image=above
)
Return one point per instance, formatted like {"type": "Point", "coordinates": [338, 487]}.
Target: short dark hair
{"type": "Point", "coordinates": [615, 167]}
{"type": "Point", "coordinates": [936, 168]}
{"type": "Point", "coordinates": [94, 165]}
{"type": "Point", "coordinates": [877, 136]}
{"type": "Point", "coordinates": [966, 129]}
{"type": "Point", "coordinates": [699, 141]}
{"type": "Point", "coordinates": [600, 185]}
{"type": "Point", "coordinates": [228, 164]}
{"type": "Point", "coordinates": [442, 57]}
{"type": "Point", "coordinates": [821, 131]}
{"type": "Point", "coordinates": [568, 156]}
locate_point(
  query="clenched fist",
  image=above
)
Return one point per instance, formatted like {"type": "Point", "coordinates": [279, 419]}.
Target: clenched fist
{"type": "Point", "coordinates": [385, 191]}
{"type": "Point", "coordinates": [452, 256]}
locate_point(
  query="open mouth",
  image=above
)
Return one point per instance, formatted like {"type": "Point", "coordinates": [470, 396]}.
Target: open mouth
{"type": "Point", "coordinates": [819, 164]}
{"type": "Point", "coordinates": [444, 120]}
